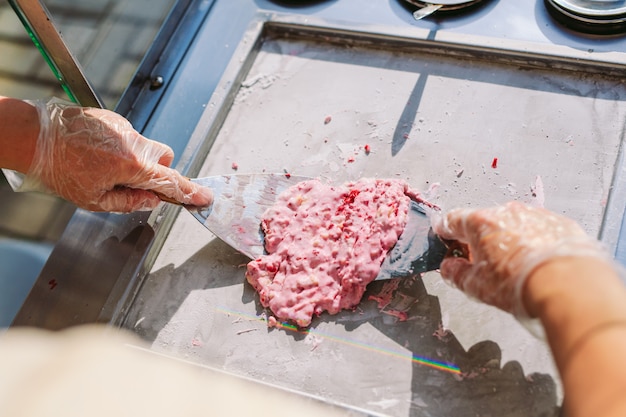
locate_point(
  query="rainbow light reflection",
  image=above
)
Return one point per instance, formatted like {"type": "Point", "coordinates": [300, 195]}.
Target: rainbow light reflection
{"type": "Point", "coordinates": [442, 366]}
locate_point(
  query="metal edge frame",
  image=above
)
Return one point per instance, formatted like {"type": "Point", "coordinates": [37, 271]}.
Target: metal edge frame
{"type": "Point", "coordinates": [511, 52]}
{"type": "Point", "coordinates": [163, 59]}
{"type": "Point", "coordinates": [596, 24]}
{"type": "Point", "coordinates": [612, 231]}
{"type": "Point", "coordinates": [137, 104]}
{"type": "Point", "coordinates": [582, 11]}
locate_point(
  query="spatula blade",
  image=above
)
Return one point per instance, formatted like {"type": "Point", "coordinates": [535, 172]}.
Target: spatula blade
{"type": "Point", "coordinates": [239, 202]}
{"type": "Point", "coordinates": [418, 249]}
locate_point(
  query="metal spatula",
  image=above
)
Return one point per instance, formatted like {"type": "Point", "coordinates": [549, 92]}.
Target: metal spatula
{"type": "Point", "coordinates": [241, 199]}
{"type": "Point", "coordinates": [239, 203]}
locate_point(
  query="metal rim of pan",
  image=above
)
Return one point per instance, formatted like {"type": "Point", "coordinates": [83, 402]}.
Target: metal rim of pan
{"type": "Point", "coordinates": [446, 5]}
{"type": "Point", "coordinates": [601, 9]}
{"type": "Point", "coordinates": [592, 21]}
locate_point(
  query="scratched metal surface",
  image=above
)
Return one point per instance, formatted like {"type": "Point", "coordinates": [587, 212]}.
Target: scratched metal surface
{"type": "Point", "coordinates": [429, 118]}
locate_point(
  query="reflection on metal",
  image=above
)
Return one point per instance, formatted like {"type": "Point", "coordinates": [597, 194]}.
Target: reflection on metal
{"type": "Point", "coordinates": [599, 8]}
{"type": "Point", "coordinates": [240, 201]}
{"type": "Point", "coordinates": [41, 29]}
{"type": "Point", "coordinates": [598, 17]}
{"type": "Point", "coordinates": [33, 216]}
{"type": "Point", "coordinates": [503, 84]}
{"type": "Point", "coordinates": [86, 266]}
{"type": "Point", "coordinates": [426, 8]}
{"type": "Point", "coordinates": [423, 361]}
{"type": "Point", "coordinates": [418, 250]}
{"type": "Point", "coordinates": [98, 260]}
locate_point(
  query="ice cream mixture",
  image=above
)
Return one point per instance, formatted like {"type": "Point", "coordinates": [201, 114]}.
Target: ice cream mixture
{"type": "Point", "coordinates": [325, 243]}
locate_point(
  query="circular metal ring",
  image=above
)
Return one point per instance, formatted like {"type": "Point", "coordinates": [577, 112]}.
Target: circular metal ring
{"type": "Point", "coordinates": [579, 16]}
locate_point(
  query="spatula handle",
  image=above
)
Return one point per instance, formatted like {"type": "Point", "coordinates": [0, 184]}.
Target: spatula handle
{"type": "Point", "coordinates": [167, 199]}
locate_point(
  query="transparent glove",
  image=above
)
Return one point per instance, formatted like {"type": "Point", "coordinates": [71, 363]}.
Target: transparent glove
{"type": "Point", "coordinates": [507, 243]}
{"type": "Point", "coordinates": [95, 159]}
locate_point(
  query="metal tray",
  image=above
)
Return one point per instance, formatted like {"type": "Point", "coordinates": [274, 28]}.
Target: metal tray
{"type": "Point", "coordinates": [486, 122]}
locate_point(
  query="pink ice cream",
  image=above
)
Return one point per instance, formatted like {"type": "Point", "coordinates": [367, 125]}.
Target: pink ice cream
{"type": "Point", "coordinates": [325, 244]}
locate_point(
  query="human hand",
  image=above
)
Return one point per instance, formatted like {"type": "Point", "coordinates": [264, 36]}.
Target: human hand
{"type": "Point", "coordinates": [507, 243]}
{"type": "Point", "coordinates": [95, 159]}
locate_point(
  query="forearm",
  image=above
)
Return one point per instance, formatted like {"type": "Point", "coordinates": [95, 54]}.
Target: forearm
{"type": "Point", "coordinates": [581, 303]}
{"type": "Point", "coordinates": [19, 128]}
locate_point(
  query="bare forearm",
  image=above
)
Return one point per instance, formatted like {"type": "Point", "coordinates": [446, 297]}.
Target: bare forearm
{"type": "Point", "coordinates": [19, 127]}
{"type": "Point", "coordinates": [582, 305]}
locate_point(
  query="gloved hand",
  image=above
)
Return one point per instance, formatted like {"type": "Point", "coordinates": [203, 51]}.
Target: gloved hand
{"type": "Point", "coordinates": [506, 244]}
{"type": "Point", "coordinates": [95, 159]}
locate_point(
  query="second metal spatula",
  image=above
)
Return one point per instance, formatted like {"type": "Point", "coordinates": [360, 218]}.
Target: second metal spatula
{"type": "Point", "coordinates": [241, 199]}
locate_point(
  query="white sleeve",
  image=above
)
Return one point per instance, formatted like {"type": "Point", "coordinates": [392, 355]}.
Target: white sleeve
{"type": "Point", "coordinates": [97, 371]}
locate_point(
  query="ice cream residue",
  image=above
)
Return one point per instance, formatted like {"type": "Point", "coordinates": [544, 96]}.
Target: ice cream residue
{"type": "Point", "coordinates": [325, 244]}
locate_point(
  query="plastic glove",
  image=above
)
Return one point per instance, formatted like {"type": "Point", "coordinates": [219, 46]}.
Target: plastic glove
{"type": "Point", "coordinates": [506, 244]}
{"type": "Point", "coordinates": [95, 159]}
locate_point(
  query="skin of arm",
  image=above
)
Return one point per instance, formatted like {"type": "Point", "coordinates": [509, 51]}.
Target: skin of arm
{"type": "Point", "coordinates": [529, 261]}
{"type": "Point", "coordinates": [19, 127]}
{"type": "Point", "coordinates": [581, 303]}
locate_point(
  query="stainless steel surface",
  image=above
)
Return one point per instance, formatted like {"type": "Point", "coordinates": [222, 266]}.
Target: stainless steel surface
{"type": "Point", "coordinates": [33, 216]}
{"type": "Point", "coordinates": [445, 5]}
{"type": "Point", "coordinates": [528, 82]}
{"type": "Point", "coordinates": [39, 24]}
{"type": "Point", "coordinates": [70, 291]}
{"type": "Point", "coordinates": [194, 301]}
{"type": "Point", "coordinates": [594, 7]}
{"type": "Point", "coordinates": [20, 264]}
